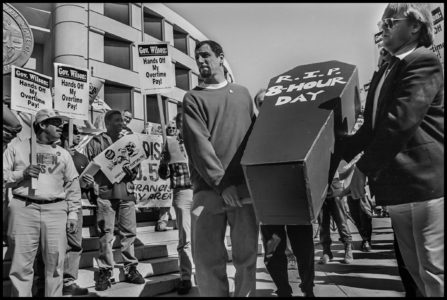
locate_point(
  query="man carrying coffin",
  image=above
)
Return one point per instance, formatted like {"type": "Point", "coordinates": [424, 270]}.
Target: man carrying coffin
{"type": "Point", "coordinates": [403, 142]}
{"type": "Point", "coordinates": [114, 199]}
{"type": "Point", "coordinates": [41, 215]}
{"type": "Point", "coordinates": [217, 117]}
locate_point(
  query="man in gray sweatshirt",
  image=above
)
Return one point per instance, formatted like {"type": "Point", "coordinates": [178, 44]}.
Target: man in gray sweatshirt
{"type": "Point", "coordinates": [217, 119]}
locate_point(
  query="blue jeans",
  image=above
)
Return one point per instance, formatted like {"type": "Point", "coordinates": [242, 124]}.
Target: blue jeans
{"type": "Point", "coordinates": [209, 223]}
{"type": "Point", "coordinates": [127, 230]}
{"type": "Point", "coordinates": [333, 207]}
{"type": "Point", "coordinates": [73, 254]}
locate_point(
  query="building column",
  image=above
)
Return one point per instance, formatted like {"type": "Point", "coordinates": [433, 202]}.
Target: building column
{"type": "Point", "coordinates": [70, 29]}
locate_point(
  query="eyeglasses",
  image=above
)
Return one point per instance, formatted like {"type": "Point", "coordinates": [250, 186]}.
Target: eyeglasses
{"type": "Point", "coordinates": [389, 22]}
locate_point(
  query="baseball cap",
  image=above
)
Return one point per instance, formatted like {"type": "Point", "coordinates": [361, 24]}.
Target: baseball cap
{"type": "Point", "coordinates": [45, 114]}
{"type": "Point", "coordinates": [65, 130]}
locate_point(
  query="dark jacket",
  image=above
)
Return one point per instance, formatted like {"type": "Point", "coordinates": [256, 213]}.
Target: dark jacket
{"type": "Point", "coordinates": [404, 153]}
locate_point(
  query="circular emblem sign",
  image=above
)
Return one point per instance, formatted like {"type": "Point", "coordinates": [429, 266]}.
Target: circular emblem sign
{"type": "Point", "coordinates": [18, 41]}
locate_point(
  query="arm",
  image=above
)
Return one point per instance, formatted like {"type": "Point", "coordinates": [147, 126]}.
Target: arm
{"type": "Point", "coordinates": [421, 81]}
{"type": "Point", "coordinates": [198, 146]}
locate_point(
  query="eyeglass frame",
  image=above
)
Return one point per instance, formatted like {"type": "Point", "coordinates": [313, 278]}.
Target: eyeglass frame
{"type": "Point", "coordinates": [53, 122]}
{"type": "Point", "coordinates": [385, 21]}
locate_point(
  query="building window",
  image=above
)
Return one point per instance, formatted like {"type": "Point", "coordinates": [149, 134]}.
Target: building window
{"type": "Point", "coordinates": [152, 109]}
{"type": "Point", "coordinates": [117, 11]}
{"type": "Point", "coordinates": [180, 40]}
{"type": "Point", "coordinates": [118, 97]}
{"type": "Point", "coordinates": [117, 52]}
{"type": "Point", "coordinates": [172, 109]}
{"type": "Point", "coordinates": [181, 77]}
{"type": "Point", "coordinates": [153, 24]}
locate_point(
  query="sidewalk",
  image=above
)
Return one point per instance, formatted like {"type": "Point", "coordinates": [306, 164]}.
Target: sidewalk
{"type": "Point", "coordinates": [371, 274]}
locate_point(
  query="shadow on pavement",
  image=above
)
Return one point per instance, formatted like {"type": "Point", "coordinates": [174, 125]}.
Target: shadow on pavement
{"type": "Point", "coordinates": [363, 282]}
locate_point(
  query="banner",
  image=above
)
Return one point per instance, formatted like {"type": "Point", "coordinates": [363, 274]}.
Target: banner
{"type": "Point", "coordinates": [150, 189]}
{"type": "Point", "coordinates": [156, 74]}
{"type": "Point", "coordinates": [127, 151]}
{"type": "Point", "coordinates": [153, 128]}
{"type": "Point", "coordinates": [71, 91]}
{"type": "Point", "coordinates": [30, 91]}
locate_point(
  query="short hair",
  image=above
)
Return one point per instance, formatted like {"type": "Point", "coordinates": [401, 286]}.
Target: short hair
{"type": "Point", "coordinates": [416, 12]}
{"type": "Point", "coordinates": [124, 111]}
{"type": "Point", "coordinates": [215, 47]}
{"type": "Point", "coordinates": [258, 101]}
{"type": "Point", "coordinates": [109, 115]}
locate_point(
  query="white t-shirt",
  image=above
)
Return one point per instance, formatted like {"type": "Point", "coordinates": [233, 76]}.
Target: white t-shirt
{"type": "Point", "coordinates": [57, 168]}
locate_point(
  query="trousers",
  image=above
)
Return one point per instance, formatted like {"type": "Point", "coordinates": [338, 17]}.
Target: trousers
{"type": "Point", "coordinates": [333, 207]}
{"type": "Point", "coordinates": [209, 219]}
{"type": "Point", "coordinates": [28, 225]}
{"type": "Point", "coordinates": [361, 213]}
{"type": "Point", "coordinates": [419, 228]}
{"type": "Point", "coordinates": [73, 253]}
{"type": "Point", "coordinates": [127, 231]}
{"type": "Point", "coordinates": [301, 240]}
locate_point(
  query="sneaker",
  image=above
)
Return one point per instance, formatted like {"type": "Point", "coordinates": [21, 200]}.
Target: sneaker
{"type": "Point", "coordinates": [349, 258]}
{"type": "Point", "coordinates": [133, 276]}
{"type": "Point", "coordinates": [74, 290]}
{"type": "Point", "coordinates": [103, 281]}
{"type": "Point", "coordinates": [291, 262]}
{"type": "Point", "coordinates": [184, 287]}
{"type": "Point", "coordinates": [366, 247]}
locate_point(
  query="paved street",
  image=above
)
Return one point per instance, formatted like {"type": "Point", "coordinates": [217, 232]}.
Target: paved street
{"type": "Point", "coordinates": [371, 274]}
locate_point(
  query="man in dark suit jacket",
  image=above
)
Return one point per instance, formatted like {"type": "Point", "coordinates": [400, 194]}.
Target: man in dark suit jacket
{"type": "Point", "coordinates": [403, 143]}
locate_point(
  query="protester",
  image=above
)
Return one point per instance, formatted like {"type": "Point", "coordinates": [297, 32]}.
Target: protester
{"type": "Point", "coordinates": [217, 119]}
{"type": "Point", "coordinates": [177, 170]}
{"type": "Point", "coordinates": [291, 259]}
{"type": "Point", "coordinates": [164, 213]}
{"type": "Point", "coordinates": [403, 143]}
{"type": "Point", "coordinates": [117, 198]}
{"type": "Point", "coordinates": [333, 207]}
{"type": "Point", "coordinates": [127, 117]}
{"type": "Point", "coordinates": [40, 216]}
{"type": "Point", "coordinates": [278, 239]}
{"type": "Point", "coordinates": [74, 240]}
{"type": "Point", "coordinates": [11, 126]}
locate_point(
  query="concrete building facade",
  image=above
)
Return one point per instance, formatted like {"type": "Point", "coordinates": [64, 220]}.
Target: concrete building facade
{"type": "Point", "coordinates": [102, 37]}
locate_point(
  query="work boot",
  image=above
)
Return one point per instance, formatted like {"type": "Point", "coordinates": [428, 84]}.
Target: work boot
{"type": "Point", "coordinates": [184, 287]}
{"type": "Point", "coordinates": [74, 290]}
{"type": "Point", "coordinates": [133, 276]}
{"type": "Point", "coordinates": [103, 281]}
{"type": "Point", "coordinates": [327, 255]}
{"type": "Point", "coordinates": [349, 258]}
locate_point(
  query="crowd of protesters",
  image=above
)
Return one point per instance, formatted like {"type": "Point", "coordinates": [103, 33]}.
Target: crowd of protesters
{"type": "Point", "coordinates": [396, 154]}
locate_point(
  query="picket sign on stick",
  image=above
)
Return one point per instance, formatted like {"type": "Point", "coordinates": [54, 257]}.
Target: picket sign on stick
{"type": "Point", "coordinates": [162, 118]}
{"type": "Point", "coordinates": [70, 132]}
{"type": "Point", "coordinates": [33, 151]}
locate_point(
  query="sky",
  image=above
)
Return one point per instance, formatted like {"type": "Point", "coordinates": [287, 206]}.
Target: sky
{"type": "Point", "coordinates": [263, 40]}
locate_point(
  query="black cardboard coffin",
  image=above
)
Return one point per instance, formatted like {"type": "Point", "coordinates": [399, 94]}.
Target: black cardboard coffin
{"type": "Point", "coordinates": [290, 159]}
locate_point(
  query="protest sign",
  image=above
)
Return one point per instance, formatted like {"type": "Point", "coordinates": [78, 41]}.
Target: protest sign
{"type": "Point", "coordinates": [155, 63]}
{"type": "Point", "coordinates": [127, 151]}
{"type": "Point", "coordinates": [95, 86]}
{"type": "Point", "coordinates": [30, 91]}
{"type": "Point", "coordinates": [438, 30]}
{"type": "Point", "coordinates": [150, 189]}
{"type": "Point", "coordinates": [71, 91]}
{"type": "Point", "coordinates": [153, 128]}
{"type": "Point", "coordinates": [290, 157]}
